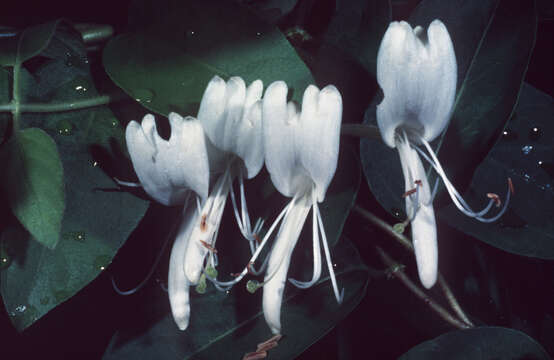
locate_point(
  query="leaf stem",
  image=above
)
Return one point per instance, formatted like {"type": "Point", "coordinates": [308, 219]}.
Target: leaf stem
{"type": "Point", "coordinates": [16, 108]}
{"type": "Point", "coordinates": [406, 243]}
{"type": "Point", "coordinates": [399, 273]}
{"type": "Point", "coordinates": [361, 131]}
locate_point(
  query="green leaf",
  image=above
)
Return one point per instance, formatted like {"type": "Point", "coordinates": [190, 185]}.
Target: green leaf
{"type": "Point", "coordinates": [526, 155]}
{"type": "Point", "coordinates": [357, 28]}
{"type": "Point", "coordinates": [233, 324]}
{"type": "Point", "coordinates": [33, 183]}
{"type": "Point", "coordinates": [492, 45]}
{"type": "Point", "coordinates": [98, 217]}
{"type": "Point", "coordinates": [478, 343]}
{"type": "Point", "coordinates": [168, 65]}
{"type": "Point", "coordinates": [26, 44]}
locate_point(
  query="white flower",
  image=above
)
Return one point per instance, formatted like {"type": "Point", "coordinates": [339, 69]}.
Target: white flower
{"type": "Point", "coordinates": [301, 151]}
{"type": "Point", "coordinates": [169, 170]}
{"type": "Point", "coordinates": [230, 114]}
{"type": "Point", "coordinates": [417, 73]}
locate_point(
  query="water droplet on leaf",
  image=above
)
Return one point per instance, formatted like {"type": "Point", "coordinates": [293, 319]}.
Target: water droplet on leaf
{"type": "Point", "coordinates": [101, 262]}
{"type": "Point", "coordinates": [75, 235]}
{"type": "Point", "coordinates": [64, 127]}
{"type": "Point", "coordinates": [397, 213]}
{"type": "Point", "coordinates": [535, 133]}
{"type": "Point", "coordinates": [526, 150]}
{"type": "Point", "coordinates": [508, 134]}
{"type": "Point", "coordinates": [80, 89]}
{"type": "Point", "coordinates": [5, 259]}
{"type": "Point", "coordinates": [144, 95]}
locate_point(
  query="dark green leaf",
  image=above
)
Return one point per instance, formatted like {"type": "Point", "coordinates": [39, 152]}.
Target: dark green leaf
{"type": "Point", "coordinates": [232, 324]}
{"type": "Point", "coordinates": [98, 217]}
{"type": "Point", "coordinates": [357, 28]}
{"type": "Point", "coordinates": [526, 154]}
{"type": "Point", "coordinates": [492, 44]}
{"type": "Point", "coordinates": [478, 343]}
{"type": "Point", "coordinates": [26, 44]}
{"type": "Point", "coordinates": [168, 65]}
{"type": "Point", "coordinates": [33, 183]}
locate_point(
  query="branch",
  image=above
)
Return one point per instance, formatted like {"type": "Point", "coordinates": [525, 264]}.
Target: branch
{"type": "Point", "coordinates": [406, 243]}
{"type": "Point", "coordinates": [399, 273]}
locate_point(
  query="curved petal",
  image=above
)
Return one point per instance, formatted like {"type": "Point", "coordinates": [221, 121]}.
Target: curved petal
{"type": "Point", "coordinates": [320, 135]}
{"type": "Point", "coordinates": [280, 121]}
{"type": "Point", "coordinates": [418, 79]}
{"type": "Point", "coordinates": [279, 261]}
{"type": "Point", "coordinates": [440, 89]}
{"type": "Point", "coordinates": [232, 119]}
{"type": "Point", "coordinates": [177, 283]}
{"type": "Point", "coordinates": [212, 110]}
{"type": "Point", "coordinates": [420, 208]}
{"type": "Point", "coordinates": [168, 169]}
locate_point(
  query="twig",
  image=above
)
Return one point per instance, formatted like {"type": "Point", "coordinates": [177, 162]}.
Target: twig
{"type": "Point", "coordinates": [399, 273]}
{"type": "Point", "coordinates": [404, 241]}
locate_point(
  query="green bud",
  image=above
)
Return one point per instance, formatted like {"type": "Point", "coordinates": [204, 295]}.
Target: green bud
{"type": "Point", "coordinates": [252, 286]}
{"type": "Point", "coordinates": [201, 287]}
{"type": "Point", "coordinates": [399, 228]}
{"type": "Point", "coordinates": [211, 272]}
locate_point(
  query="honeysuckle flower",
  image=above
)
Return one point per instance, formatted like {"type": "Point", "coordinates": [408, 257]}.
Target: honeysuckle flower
{"type": "Point", "coordinates": [417, 72]}
{"type": "Point", "coordinates": [170, 171]}
{"type": "Point", "coordinates": [301, 151]}
{"type": "Point", "coordinates": [230, 117]}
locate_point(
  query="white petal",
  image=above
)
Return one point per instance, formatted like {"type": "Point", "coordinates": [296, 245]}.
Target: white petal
{"type": "Point", "coordinates": [212, 109]}
{"type": "Point", "coordinates": [440, 89]}
{"type": "Point", "coordinates": [232, 119]}
{"type": "Point", "coordinates": [418, 81]}
{"type": "Point", "coordinates": [168, 169]}
{"type": "Point", "coordinates": [249, 145]}
{"type": "Point", "coordinates": [279, 125]}
{"type": "Point", "coordinates": [279, 261]}
{"type": "Point", "coordinates": [424, 229]}
{"type": "Point", "coordinates": [177, 283]}
{"type": "Point", "coordinates": [320, 135]}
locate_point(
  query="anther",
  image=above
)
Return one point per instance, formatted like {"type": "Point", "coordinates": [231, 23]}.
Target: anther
{"type": "Point", "coordinates": [255, 355]}
{"type": "Point", "coordinates": [418, 182]}
{"type": "Point", "coordinates": [208, 246]}
{"type": "Point", "coordinates": [257, 238]}
{"type": "Point", "coordinates": [203, 225]}
{"type": "Point", "coordinates": [248, 267]}
{"type": "Point", "coordinates": [511, 186]}
{"type": "Point", "coordinates": [409, 192]}
{"type": "Point", "coordinates": [495, 198]}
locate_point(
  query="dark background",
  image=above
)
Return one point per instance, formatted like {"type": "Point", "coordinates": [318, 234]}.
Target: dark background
{"type": "Point", "coordinates": [388, 322]}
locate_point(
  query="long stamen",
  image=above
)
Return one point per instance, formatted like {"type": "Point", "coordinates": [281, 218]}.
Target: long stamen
{"type": "Point", "coordinates": [127, 183]}
{"type": "Point", "coordinates": [316, 251]}
{"type": "Point", "coordinates": [229, 284]}
{"type": "Point", "coordinates": [458, 200]}
{"type": "Point", "coordinates": [338, 296]}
